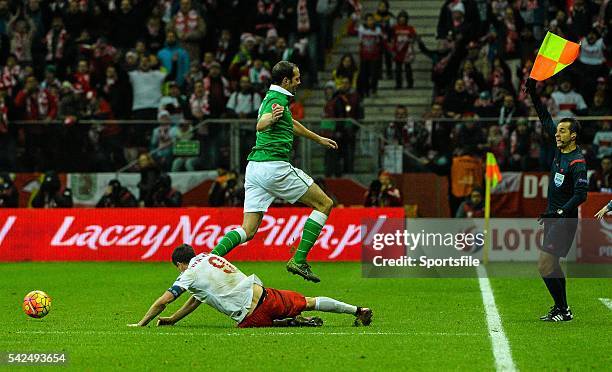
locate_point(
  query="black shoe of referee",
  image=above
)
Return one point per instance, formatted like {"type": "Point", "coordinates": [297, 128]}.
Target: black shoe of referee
{"type": "Point", "coordinates": [558, 315]}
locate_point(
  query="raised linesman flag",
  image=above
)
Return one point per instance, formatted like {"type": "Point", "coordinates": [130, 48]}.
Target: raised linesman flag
{"type": "Point", "coordinates": [554, 55]}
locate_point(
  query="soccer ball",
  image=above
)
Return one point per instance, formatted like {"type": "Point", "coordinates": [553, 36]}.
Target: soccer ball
{"type": "Point", "coordinates": [37, 304]}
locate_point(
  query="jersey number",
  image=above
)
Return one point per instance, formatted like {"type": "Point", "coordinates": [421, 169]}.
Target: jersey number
{"type": "Point", "coordinates": [221, 264]}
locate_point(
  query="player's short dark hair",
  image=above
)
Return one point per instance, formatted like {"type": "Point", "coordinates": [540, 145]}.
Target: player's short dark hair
{"type": "Point", "coordinates": [182, 254]}
{"type": "Point", "coordinates": [282, 70]}
{"type": "Point", "coordinates": [575, 126]}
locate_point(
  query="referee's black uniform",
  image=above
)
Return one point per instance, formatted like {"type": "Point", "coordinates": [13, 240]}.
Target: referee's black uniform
{"type": "Point", "coordinates": [567, 189]}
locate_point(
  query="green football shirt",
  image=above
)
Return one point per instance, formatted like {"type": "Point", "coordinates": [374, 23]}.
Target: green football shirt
{"type": "Point", "coordinates": [276, 142]}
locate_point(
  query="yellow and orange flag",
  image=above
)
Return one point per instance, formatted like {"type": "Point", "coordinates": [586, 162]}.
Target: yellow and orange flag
{"type": "Point", "coordinates": [554, 55]}
{"type": "Point", "coordinates": [493, 173]}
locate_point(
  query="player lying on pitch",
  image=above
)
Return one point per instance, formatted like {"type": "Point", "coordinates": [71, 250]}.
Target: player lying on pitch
{"type": "Point", "coordinates": [213, 280]}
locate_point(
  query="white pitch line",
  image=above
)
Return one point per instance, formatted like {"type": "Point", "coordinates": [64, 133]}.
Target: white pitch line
{"type": "Point", "coordinates": [499, 341]}
{"type": "Point", "coordinates": [607, 302]}
{"type": "Point", "coordinates": [318, 333]}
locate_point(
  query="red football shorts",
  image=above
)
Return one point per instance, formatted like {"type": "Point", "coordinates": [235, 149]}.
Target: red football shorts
{"type": "Point", "coordinates": [278, 304]}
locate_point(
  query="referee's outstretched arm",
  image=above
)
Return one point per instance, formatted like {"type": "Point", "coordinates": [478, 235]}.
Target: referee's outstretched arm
{"type": "Point", "coordinates": [543, 114]}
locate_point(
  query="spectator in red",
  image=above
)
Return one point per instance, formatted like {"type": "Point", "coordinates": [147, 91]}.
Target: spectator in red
{"type": "Point", "coordinates": [472, 207]}
{"type": "Point", "coordinates": [402, 44]}
{"type": "Point", "coordinates": [190, 29]}
{"type": "Point", "coordinates": [371, 42]}
{"type": "Point", "coordinates": [35, 103]}
{"type": "Point", "coordinates": [82, 77]}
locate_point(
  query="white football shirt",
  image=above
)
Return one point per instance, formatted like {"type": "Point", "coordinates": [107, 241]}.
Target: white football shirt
{"type": "Point", "coordinates": [213, 280]}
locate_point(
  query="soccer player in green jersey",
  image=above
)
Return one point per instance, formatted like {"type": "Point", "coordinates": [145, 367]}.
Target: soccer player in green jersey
{"type": "Point", "coordinates": [269, 173]}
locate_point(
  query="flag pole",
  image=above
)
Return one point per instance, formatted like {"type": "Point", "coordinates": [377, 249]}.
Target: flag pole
{"type": "Point", "coordinates": [487, 215]}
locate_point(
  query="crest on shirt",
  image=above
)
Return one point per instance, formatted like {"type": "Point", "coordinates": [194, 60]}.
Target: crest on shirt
{"type": "Point", "coordinates": [559, 179]}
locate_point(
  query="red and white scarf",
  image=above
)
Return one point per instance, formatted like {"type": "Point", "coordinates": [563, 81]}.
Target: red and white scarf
{"type": "Point", "coordinates": [199, 105]}
{"type": "Point", "coordinates": [186, 23]}
{"type": "Point", "coordinates": [58, 53]}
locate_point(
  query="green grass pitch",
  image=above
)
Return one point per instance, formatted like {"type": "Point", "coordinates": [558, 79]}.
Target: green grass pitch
{"type": "Point", "coordinates": [419, 324]}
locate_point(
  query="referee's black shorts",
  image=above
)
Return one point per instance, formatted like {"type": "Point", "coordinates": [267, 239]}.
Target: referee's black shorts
{"type": "Point", "coordinates": [559, 235]}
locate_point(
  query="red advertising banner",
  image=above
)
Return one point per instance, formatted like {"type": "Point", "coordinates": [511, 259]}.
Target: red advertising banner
{"type": "Point", "coordinates": [152, 234]}
{"type": "Point", "coordinates": [595, 240]}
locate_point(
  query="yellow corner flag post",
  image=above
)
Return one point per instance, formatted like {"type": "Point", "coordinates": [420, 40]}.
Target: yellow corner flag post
{"type": "Point", "coordinates": [493, 177]}
{"type": "Point", "coordinates": [554, 55]}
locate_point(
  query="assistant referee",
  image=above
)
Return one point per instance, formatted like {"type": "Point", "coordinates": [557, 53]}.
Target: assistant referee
{"type": "Point", "coordinates": [567, 189]}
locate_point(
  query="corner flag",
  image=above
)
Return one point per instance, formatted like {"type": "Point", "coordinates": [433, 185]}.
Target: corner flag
{"type": "Point", "coordinates": [493, 173]}
{"type": "Point", "coordinates": [554, 55]}
{"type": "Point", "coordinates": [492, 178]}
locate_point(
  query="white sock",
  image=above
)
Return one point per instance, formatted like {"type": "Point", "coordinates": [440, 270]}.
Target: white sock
{"type": "Point", "coordinates": [242, 233]}
{"type": "Point", "coordinates": [333, 306]}
{"type": "Point", "coordinates": [318, 217]}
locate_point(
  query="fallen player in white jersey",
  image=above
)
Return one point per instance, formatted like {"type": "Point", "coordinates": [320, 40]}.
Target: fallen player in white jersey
{"type": "Point", "coordinates": [215, 281]}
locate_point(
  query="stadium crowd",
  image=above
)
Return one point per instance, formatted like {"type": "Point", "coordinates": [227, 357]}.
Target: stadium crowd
{"type": "Point", "coordinates": [172, 62]}
{"type": "Point", "coordinates": [483, 58]}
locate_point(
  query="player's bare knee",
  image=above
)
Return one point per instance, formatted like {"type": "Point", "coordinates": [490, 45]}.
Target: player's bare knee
{"type": "Point", "coordinates": [546, 266]}
{"type": "Point", "coordinates": [325, 205]}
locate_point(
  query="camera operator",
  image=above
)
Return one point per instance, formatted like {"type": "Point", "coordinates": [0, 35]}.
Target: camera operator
{"type": "Point", "coordinates": [50, 193]}
{"type": "Point", "coordinates": [117, 196]}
